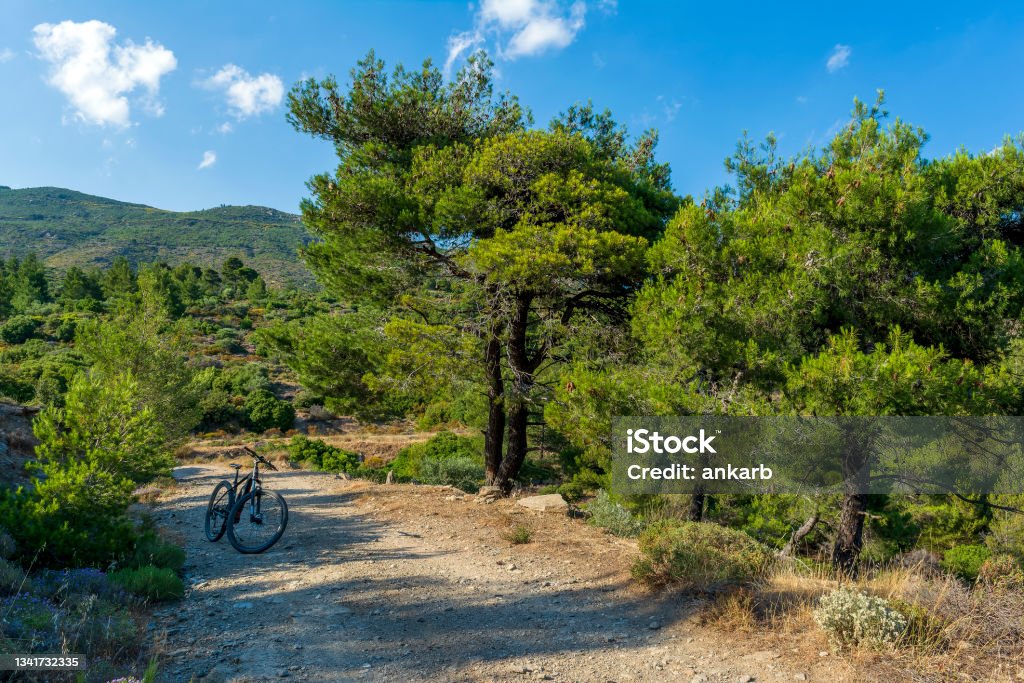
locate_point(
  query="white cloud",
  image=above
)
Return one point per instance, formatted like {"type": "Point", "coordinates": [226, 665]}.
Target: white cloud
{"type": "Point", "coordinates": [522, 28]}
{"type": "Point", "coordinates": [669, 107]}
{"type": "Point", "coordinates": [6, 55]}
{"type": "Point", "coordinates": [97, 75]}
{"type": "Point", "coordinates": [209, 159]}
{"type": "Point", "coordinates": [839, 58]}
{"type": "Point", "coordinates": [247, 95]}
{"type": "Point", "coordinates": [225, 128]}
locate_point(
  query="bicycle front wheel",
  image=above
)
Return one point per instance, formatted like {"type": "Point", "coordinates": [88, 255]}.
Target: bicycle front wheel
{"type": "Point", "coordinates": [257, 521]}
{"type": "Point", "coordinates": [221, 501]}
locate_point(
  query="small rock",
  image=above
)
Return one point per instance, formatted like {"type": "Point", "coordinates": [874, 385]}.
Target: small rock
{"type": "Point", "coordinates": [800, 677]}
{"type": "Point", "coordinates": [552, 502]}
{"type": "Point", "coordinates": [699, 678]}
{"type": "Point", "coordinates": [243, 605]}
{"type": "Point", "coordinates": [390, 479]}
{"type": "Point", "coordinates": [745, 678]}
{"type": "Point", "coordinates": [283, 673]}
{"type": "Point", "coordinates": [654, 626]}
{"type": "Point", "coordinates": [488, 494]}
{"type": "Point", "coordinates": [823, 653]}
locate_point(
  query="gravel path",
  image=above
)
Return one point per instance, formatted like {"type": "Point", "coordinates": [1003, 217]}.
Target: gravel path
{"type": "Point", "coordinates": [404, 583]}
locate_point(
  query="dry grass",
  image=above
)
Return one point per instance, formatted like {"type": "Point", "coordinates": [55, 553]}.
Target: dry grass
{"type": "Point", "coordinates": [957, 632]}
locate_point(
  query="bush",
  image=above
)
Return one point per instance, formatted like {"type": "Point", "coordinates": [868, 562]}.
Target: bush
{"type": "Point", "coordinates": [62, 585]}
{"type": "Point", "coordinates": [519, 536]}
{"type": "Point", "coordinates": [460, 471]}
{"type": "Point", "coordinates": [698, 555]}
{"type": "Point", "coordinates": [304, 400]}
{"type": "Point", "coordinates": [853, 618]}
{"type": "Point", "coordinates": [609, 515]}
{"type": "Point", "coordinates": [75, 517]}
{"type": "Point", "coordinates": [7, 545]}
{"type": "Point", "coordinates": [443, 445]}
{"type": "Point", "coordinates": [321, 455]}
{"type": "Point", "coordinates": [154, 584]}
{"type": "Point", "coordinates": [18, 329]}
{"type": "Point", "coordinates": [11, 578]}
{"type": "Point", "coordinates": [1002, 569]}
{"type": "Point", "coordinates": [924, 629]}
{"type": "Point", "coordinates": [153, 550]}
{"type": "Point", "coordinates": [217, 409]}
{"type": "Point", "coordinates": [265, 411]}
{"type": "Point", "coordinates": [572, 491]}
{"type": "Point", "coordinates": [241, 380]}
{"type": "Point", "coordinates": [965, 560]}
{"type": "Point", "coordinates": [30, 619]}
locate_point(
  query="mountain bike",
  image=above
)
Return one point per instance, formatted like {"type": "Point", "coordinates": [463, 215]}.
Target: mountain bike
{"type": "Point", "coordinates": [253, 517]}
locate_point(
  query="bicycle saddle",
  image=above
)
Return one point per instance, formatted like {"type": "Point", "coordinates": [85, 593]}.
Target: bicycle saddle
{"type": "Point", "coordinates": [235, 466]}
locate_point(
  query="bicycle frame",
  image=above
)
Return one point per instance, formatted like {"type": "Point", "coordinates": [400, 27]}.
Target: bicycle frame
{"type": "Point", "coordinates": [250, 482]}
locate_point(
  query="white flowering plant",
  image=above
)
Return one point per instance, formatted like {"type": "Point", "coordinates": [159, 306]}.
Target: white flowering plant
{"type": "Point", "coordinates": [854, 618]}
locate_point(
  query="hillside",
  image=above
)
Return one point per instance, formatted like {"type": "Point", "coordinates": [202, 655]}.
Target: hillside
{"type": "Point", "coordinates": [67, 228]}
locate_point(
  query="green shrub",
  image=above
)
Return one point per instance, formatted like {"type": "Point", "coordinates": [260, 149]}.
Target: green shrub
{"type": "Point", "coordinates": [217, 409]}
{"type": "Point", "coordinates": [153, 584]}
{"type": "Point", "coordinates": [698, 555]}
{"type": "Point", "coordinates": [441, 446]}
{"type": "Point", "coordinates": [374, 474]}
{"type": "Point", "coordinates": [519, 536]}
{"type": "Point", "coordinates": [14, 387]}
{"type": "Point", "coordinates": [265, 411]}
{"type": "Point", "coordinates": [572, 491]}
{"type": "Point", "coordinates": [434, 415]}
{"type": "Point", "coordinates": [607, 514]}
{"type": "Point", "coordinates": [965, 560]}
{"type": "Point", "coordinates": [11, 578]}
{"type": "Point", "coordinates": [75, 517]}
{"type": "Point", "coordinates": [321, 455]}
{"type": "Point", "coordinates": [228, 346]}
{"type": "Point", "coordinates": [854, 618]}
{"type": "Point", "coordinates": [7, 545]}
{"type": "Point", "coordinates": [152, 550]}
{"type": "Point", "coordinates": [18, 329]}
{"type": "Point", "coordinates": [462, 472]}
{"type": "Point", "coordinates": [339, 460]}
{"type": "Point", "coordinates": [242, 380]}
{"type": "Point", "coordinates": [307, 399]}
{"type": "Point", "coordinates": [924, 629]}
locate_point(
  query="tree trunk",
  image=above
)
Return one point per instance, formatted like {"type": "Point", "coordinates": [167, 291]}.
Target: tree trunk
{"type": "Point", "coordinates": [516, 455]}
{"type": "Point", "coordinates": [799, 535]}
{"type": "Point", "coordinates": [518, 407]}
{"type": "Point", "coordinates": [850, 536]}
{"type": "Point", "coordinates": [856, 476]}
{"type": "Point", "coordinates": [495, 435]}
{"type": "Point", "coordinates": [695, 512]}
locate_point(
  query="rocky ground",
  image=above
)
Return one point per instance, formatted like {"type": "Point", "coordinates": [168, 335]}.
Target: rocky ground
{"type": "Point", "coordinates": [407, 583]}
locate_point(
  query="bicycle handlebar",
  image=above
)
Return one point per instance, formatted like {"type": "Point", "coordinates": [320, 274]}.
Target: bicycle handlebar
{"type": "Point", "coordinates": [260, 458]}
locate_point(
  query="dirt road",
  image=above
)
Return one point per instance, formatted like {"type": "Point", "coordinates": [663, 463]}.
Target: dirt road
{"type": "Point", "coordinates": [404, 583]}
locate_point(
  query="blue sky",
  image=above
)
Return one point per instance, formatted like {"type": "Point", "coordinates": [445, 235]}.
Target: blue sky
{"type": "Point", "coordinates": [179, 105]}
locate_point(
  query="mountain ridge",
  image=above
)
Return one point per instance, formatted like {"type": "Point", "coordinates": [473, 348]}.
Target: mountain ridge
{"type": "Point", "coordinates": [66, 227]}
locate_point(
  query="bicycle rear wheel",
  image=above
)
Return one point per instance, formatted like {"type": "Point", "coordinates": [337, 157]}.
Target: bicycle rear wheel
{"type": "Point", "coordinates": [257, 521]}
{"type": "Point", "coordinates": [221, 501]}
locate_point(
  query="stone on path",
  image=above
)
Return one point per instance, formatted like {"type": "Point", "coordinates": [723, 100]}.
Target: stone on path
{"type": "Point", "coordinates": [550, 503]}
